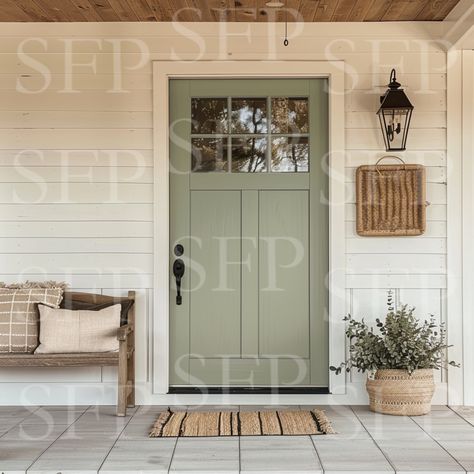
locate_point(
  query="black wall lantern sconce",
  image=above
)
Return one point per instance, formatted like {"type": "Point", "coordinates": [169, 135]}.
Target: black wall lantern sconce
{"type": "Point", "coordinates": [395, 115]}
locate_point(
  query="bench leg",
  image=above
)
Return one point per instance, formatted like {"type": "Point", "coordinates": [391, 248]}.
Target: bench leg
{"type": "Point", "coordinates": [122, 380]}
{"type": "Point", "coordinates": [131, 379]}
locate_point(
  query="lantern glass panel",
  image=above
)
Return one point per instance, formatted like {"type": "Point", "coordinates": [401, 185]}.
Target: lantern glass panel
{"type": "Point", "coordinates": [395, 124]}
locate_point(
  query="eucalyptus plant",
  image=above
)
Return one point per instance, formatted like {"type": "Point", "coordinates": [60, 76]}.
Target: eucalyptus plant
{"type": "Point", "coordinates": [400, 342]}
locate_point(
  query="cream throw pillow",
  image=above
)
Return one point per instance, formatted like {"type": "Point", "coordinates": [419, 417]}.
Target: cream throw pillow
{"type": "Point", "coordinates": [65, 330]}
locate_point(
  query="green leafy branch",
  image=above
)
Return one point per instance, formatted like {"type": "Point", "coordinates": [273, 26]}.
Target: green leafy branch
{"type": "Point", "coordinates": [400, 342]}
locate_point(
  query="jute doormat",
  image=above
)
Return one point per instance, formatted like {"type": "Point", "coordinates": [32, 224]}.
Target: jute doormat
{"type": "Point", "coordinates": [251, 423]}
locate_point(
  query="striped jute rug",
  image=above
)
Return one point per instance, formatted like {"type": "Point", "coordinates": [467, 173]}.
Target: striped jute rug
{"type": "Point", "coordinates": [244, 423]}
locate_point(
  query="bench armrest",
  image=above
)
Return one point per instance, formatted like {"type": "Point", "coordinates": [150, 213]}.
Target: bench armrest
{"type": "Point", "coordinates": [123, 332]}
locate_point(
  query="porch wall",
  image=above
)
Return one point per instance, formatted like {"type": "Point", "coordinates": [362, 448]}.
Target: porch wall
{"type": "Point", "coordinates": [97, 232]}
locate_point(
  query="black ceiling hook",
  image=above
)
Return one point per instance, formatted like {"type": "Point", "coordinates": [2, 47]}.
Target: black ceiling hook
{"type": "Point", "coordinates": [286, 42]}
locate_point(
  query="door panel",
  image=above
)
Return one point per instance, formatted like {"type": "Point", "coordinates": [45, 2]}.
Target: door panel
{"type": "Point", "coordinates": [215, 284]}
{"type": "Point", "coordinates": [284, 274]}
{"type": "Point", "coordinates": [250, 181]}
{"type": "Point", "coordinates": [250, 271]}
{"type": "Point", "coordinates": [246, 186]}
{"type": "Point", "coordinates": [250, 87]}
{"type": "Point", "coordinates": [180, 216]}
{"type": "Point", "coordinates": [250, 372]}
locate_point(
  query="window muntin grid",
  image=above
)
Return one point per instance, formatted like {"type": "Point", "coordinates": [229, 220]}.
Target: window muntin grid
{"type": "Point", "coordinates": [250, 134]}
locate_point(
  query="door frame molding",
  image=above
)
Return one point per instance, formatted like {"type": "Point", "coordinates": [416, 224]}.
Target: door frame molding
{"type": "Point", "coordinates": [163, 71]}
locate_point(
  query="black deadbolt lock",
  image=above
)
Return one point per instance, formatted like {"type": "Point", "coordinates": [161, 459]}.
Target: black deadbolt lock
{"type": "Point", "coordinates": [178, 250]}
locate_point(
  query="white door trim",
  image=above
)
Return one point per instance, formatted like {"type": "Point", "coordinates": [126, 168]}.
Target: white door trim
{"type": "Point", "coordinates": [457, 303]}
{"type": "Point", "coordinates": [163, 71]}
{"type": "Point", "coordinates": [468, 225]}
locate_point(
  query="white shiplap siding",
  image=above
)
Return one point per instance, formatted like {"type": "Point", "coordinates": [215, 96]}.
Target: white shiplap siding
{"type": "Point", "coordinates": [76, 166]}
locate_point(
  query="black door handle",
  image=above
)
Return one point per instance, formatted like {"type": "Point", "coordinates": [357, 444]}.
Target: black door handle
{"type": "Point", "coordinates": [178, 272]}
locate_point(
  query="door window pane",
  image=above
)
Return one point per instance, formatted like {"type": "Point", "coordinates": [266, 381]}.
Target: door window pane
{"type": "Point", "coordinates": [209, 154]}
{"type": "Point", "coordinates": [209, 115]}
{"type": "Point", "coordinates": [290, 154]}
{"type": "Point", "coordinates": [249, 115]}
{"type": "Point", "coordinates": [290, 115]}
{"type": "Point", "coordinates": [265, 134]}
{"type": "Point", "coordinates": [249, 155]}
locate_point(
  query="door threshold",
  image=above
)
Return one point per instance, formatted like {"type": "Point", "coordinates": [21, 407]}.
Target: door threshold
{"type": "Point", "coordinates": [250, 390]}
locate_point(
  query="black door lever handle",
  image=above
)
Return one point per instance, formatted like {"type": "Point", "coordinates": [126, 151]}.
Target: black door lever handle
{"type": "Point", "coordinates": [178, 272]}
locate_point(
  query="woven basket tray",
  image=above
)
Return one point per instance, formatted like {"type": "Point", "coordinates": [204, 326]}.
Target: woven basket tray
{"type": "Point", "coordinates": [391, 200]}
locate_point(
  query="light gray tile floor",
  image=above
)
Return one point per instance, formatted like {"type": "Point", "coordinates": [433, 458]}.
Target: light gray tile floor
{"type": "Point", "coordinates": [199, 455]}
{"type": "Point", "coordinates": [278, 454]}
{"type": "Point", "coordinates": [136, 456]}
{"type": "Point", "coordinates": [88, 440]}
{"type": "Point", "coordinates": [422, 455]}
{"type": "Point", "coordinates": [462, 451]}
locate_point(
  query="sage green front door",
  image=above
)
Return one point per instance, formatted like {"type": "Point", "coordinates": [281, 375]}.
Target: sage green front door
{"type": "Point", "coordinates": [249, 223]}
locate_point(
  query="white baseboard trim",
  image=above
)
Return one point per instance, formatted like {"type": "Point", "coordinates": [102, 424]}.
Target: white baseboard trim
{"type": "Point", "coordinates": [27, 393]}
{"type": "Point", "coordinates": [30, 394]}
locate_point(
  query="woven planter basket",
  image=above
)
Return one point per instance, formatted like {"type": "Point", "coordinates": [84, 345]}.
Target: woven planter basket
{"type": "Point", "coordinates": [395, 392]}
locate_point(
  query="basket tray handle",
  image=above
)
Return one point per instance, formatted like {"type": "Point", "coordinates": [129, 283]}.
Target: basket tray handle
{"type": "Point", "coordinates": [389, 156]}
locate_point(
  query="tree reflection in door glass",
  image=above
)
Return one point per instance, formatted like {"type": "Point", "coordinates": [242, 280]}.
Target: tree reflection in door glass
{"type": "Point", "coordinates": [249, 115]}
{"type": "Point", "coordinates": [290, 115]}
{"type": "Point", "coordinates": [209, 154]}
{"type": "Point", "coordinates": [209, 115]}
{"type": "Point", "coordinates": [249, 154]}
{"type": "Point", "coordinates": [244, 125]}
{"type": "Point", "coordinates": [290, 154]}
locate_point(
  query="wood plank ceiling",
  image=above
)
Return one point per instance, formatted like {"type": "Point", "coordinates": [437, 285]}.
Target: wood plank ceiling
{"type": "Point", "coordinates": [223, 10]}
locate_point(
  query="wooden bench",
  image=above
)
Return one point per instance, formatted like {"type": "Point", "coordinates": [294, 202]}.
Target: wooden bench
{"type": "Point", "coordinates": [124, 358]}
